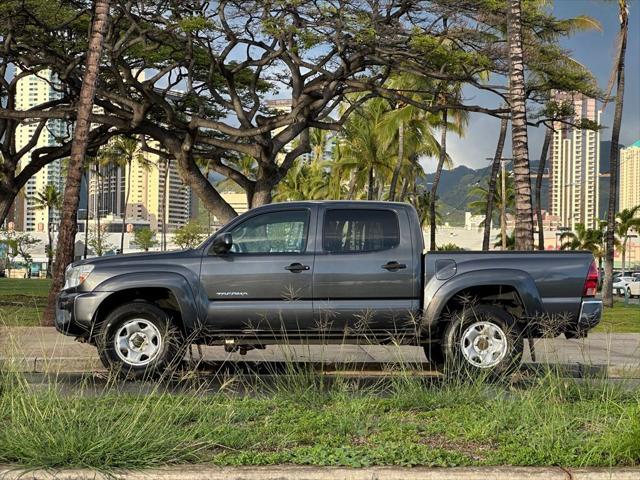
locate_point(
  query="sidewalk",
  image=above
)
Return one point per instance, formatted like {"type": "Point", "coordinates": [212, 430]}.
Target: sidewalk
{"type": "Point", "coordinates": [287, 472]}
{"type": "Point", "coordinates": [42, 349]}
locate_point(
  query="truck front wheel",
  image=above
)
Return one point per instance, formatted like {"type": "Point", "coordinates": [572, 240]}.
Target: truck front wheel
{"type": "Point", "coordinates": [138, 340]}
{"type": "Point", "coordinates": [483, 339]}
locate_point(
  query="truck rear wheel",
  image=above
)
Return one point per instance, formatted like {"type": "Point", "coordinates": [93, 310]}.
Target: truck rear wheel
{"type": "Point", "coordinates": [483, 339]}
{"type": "Point", "coordinates": [137, 340]}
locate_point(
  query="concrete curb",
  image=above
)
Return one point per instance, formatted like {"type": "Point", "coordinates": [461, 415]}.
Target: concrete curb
{"type": "Point", "coordinates": [87, 365]}
{"type": "Point", "coordinates": [321, 473]}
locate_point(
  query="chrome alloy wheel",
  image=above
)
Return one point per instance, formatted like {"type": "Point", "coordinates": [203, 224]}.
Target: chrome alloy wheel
{"type": "Point", "coordinates": [137, 342]}
{"type": "Point", "coordinates": [484, 344]}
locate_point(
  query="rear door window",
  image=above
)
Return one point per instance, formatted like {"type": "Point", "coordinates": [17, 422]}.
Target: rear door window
{"type": "Point", "coordinates": [360, 230]}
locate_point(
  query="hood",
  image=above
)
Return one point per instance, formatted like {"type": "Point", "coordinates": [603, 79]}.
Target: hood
{"type": "Point", "coordinates": [135, 257]}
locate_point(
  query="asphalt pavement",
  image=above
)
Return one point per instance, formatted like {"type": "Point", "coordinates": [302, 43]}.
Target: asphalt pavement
{"type": "Point", "coordinates": [43, 350]}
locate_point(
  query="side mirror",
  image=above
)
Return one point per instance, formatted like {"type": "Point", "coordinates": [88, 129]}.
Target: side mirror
{"type": "Point", "coordinates": [222, 244]}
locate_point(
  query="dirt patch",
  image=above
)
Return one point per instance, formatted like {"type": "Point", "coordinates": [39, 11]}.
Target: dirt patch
{"type": "Point", "coordinates": [474, 450]}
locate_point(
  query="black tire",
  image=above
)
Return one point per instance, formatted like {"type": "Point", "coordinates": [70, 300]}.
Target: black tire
{"type": "Point", "coordinates": [502, 355]}
{"type": "Point", "coordinates": [629, 292]}
{"type": "Point", "coordinates": [164, 344]}
{"type": "Point", "coordinates": [435, 355]}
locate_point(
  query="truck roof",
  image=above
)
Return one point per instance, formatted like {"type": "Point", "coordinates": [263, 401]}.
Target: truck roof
{"type": "Point", "coordinates": [341, 203]}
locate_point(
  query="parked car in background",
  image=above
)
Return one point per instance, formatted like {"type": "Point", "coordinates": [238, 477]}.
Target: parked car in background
{"type": "Point", "coordinates": [633, 287]}
{"type": "Point", "coordinates": [620, 284]}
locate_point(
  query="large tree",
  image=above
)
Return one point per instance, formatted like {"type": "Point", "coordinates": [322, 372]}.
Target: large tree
{"type": "Point", "coordinates": [618, 77]}
{"type": "Point", "coordinates": [519, 140]}
{"type": "Point", "coordinates": [68, 225]}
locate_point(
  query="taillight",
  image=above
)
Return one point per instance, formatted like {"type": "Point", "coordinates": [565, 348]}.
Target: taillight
{"type": "Point", "coordinates": [591, 283]}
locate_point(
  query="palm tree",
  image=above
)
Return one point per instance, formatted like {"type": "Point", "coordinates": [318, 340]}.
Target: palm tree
{"type": "Point", "coordinates": [421, 200]}
{"type": "Point", "coordinates": [411, 129]}
{"type": "Point", "coordinates": [303, 182]}
{"type": "Point", "coordinates": [318, 139]}
{"type": "Point", "coordinates": [481, 196]}
{"type": "Point", "coordinates": [519, 141]}
{"type": "Point", "coordinates": [618, 77]}
{"type": "Point", "coordinates": [626, 220]}
{"type": "Point", "coordinates": [366, 151]}
{"type": "Point", "coordinates": [510, 243]}
{"type": "Point", "coordinates": [50, 200]}
{"type": "Point", "coordinates": [458, 122]}
{"type": "Point", "coordinates": [582, 239]}
{"type": "Point", "coordinates": [493, 178]}
{"type": "Point", "coordinates": [66, 237]}
{"type": "Point", "coordinates": [122, 152]}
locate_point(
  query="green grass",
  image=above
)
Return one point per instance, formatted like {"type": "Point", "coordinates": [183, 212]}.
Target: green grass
{"type": "Point", "coordinates": [22, 301]}
{"type": "Point", "coordinates": [620, 319]}
{"type": "Point", "coordinates": [406, 422]}
{"type": "Point", "coordinates": [31, 287]}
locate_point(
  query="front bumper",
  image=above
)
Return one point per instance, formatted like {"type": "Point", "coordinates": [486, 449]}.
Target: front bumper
{"type": "Point", "coordinates": [75, 312]}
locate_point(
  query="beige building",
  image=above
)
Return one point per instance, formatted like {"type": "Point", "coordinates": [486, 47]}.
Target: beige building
{"type": "Point", "coordinates": [31, 91]}
{"type": "Point", "coordinates": [151, 191]}
{"type": "Point", "coordinates": [575, 163]}
{"type": "Point", "coordinates": [630, 176]}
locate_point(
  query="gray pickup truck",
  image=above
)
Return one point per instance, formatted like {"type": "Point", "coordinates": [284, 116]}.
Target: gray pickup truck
{"type": "Point", "coordinates": [327, 271]}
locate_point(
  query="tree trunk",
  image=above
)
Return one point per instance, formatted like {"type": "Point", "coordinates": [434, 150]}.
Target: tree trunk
{"type": "Point", "coordinates": [436, 181]}
{"type": "Point", "coordinates": [493, 178]}
{"type": "Point", "coordinates": [165, 194]}
{"type": "Point", "coordinates": [405, 189]}
{"type": "Point", "coordinates": [396, 171]}
{"type": "Point", "coordinates": [86, 218]}
{"type": "Point", "coordinates": [126, 204]}
{"type": "Point", "coordinates": [607, 286]}
{"type": "Point", "coordinates": [192, 176]}
{"type": "Point", "coordinates": [370, 184]}
{"type": "Point", "coordinates": [50, 244]}
{"type": "Point", "coordinates": [262, 192]}
{"type": "Point", "coordinates": [67, 232]}
{"type": "Point", "coordinates": [98, 208]}
{"type": "Point", "coordinates": [519, 141]}
{"type": "Point", "coordinates": [7, 198]}
{"type": "Point", "coordinates": [623, 252]}
{"type": "Point", "coordinates": [543, 163]}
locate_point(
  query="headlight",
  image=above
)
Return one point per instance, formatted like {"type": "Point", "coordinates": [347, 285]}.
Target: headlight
{"type": "Point", "coordinates": [74, 276]}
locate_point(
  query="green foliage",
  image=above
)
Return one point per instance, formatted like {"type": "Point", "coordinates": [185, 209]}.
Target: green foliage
{"type": "Point", "coordinates": [145, 238]}
{"type": "Point", "coordinates": [404, 421]}
{"type": "Point", "coordinates": [421, 201]}
{"type": "Point", "coordinates": [17, 245]}
{"type": "Point", "coordinates": [480, 196]}
{"type": "Point", "coordinates": [450, 247]}
{"type": "Point", "coordinates": [511, 241]}
{"type": "Point", "coordinates": [584, 239]}
{"type": "Point", "coordinates": [98, 242]}
{"type": "Point", "coordinates": [189, 235]}
{"type": "Point", "coordinates": [48, 199]}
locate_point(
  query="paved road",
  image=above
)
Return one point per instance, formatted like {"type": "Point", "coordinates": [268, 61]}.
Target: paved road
{"type": "Point", "coordinates": [41, 349]}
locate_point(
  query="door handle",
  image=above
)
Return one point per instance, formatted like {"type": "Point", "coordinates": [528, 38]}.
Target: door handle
{"type": "Point", "coordinates": [393, 266]}
{"type": "Point", "coordinates": [296, 267]}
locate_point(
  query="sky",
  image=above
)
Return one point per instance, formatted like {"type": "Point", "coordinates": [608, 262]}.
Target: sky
{"type": "Point", "coordinates": [596, 51]}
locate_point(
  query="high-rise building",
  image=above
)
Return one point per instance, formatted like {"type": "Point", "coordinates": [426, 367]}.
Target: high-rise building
{"type": "Point", "coordinates": [152, 190]}
{"type": "Point", "coordinates": [575, 160]}
{"type": "Point", "coordinates": [33, 90]}
{"type": "Point", "coordinates": [630, 176]}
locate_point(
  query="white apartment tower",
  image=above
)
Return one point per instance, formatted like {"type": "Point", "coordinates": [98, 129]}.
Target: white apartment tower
{"type": "Point", "coordinates": [149, 193]}
{"type": "Point", "coordinates": [575, 164]}
{"type": "Point", "coordinates": [33, 90]}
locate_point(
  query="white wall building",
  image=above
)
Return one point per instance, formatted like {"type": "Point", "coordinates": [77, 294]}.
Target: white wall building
{"type": "Point", "coordinates": [34, 90]}
{"type": "Point", "coordinates": [575, 164]}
